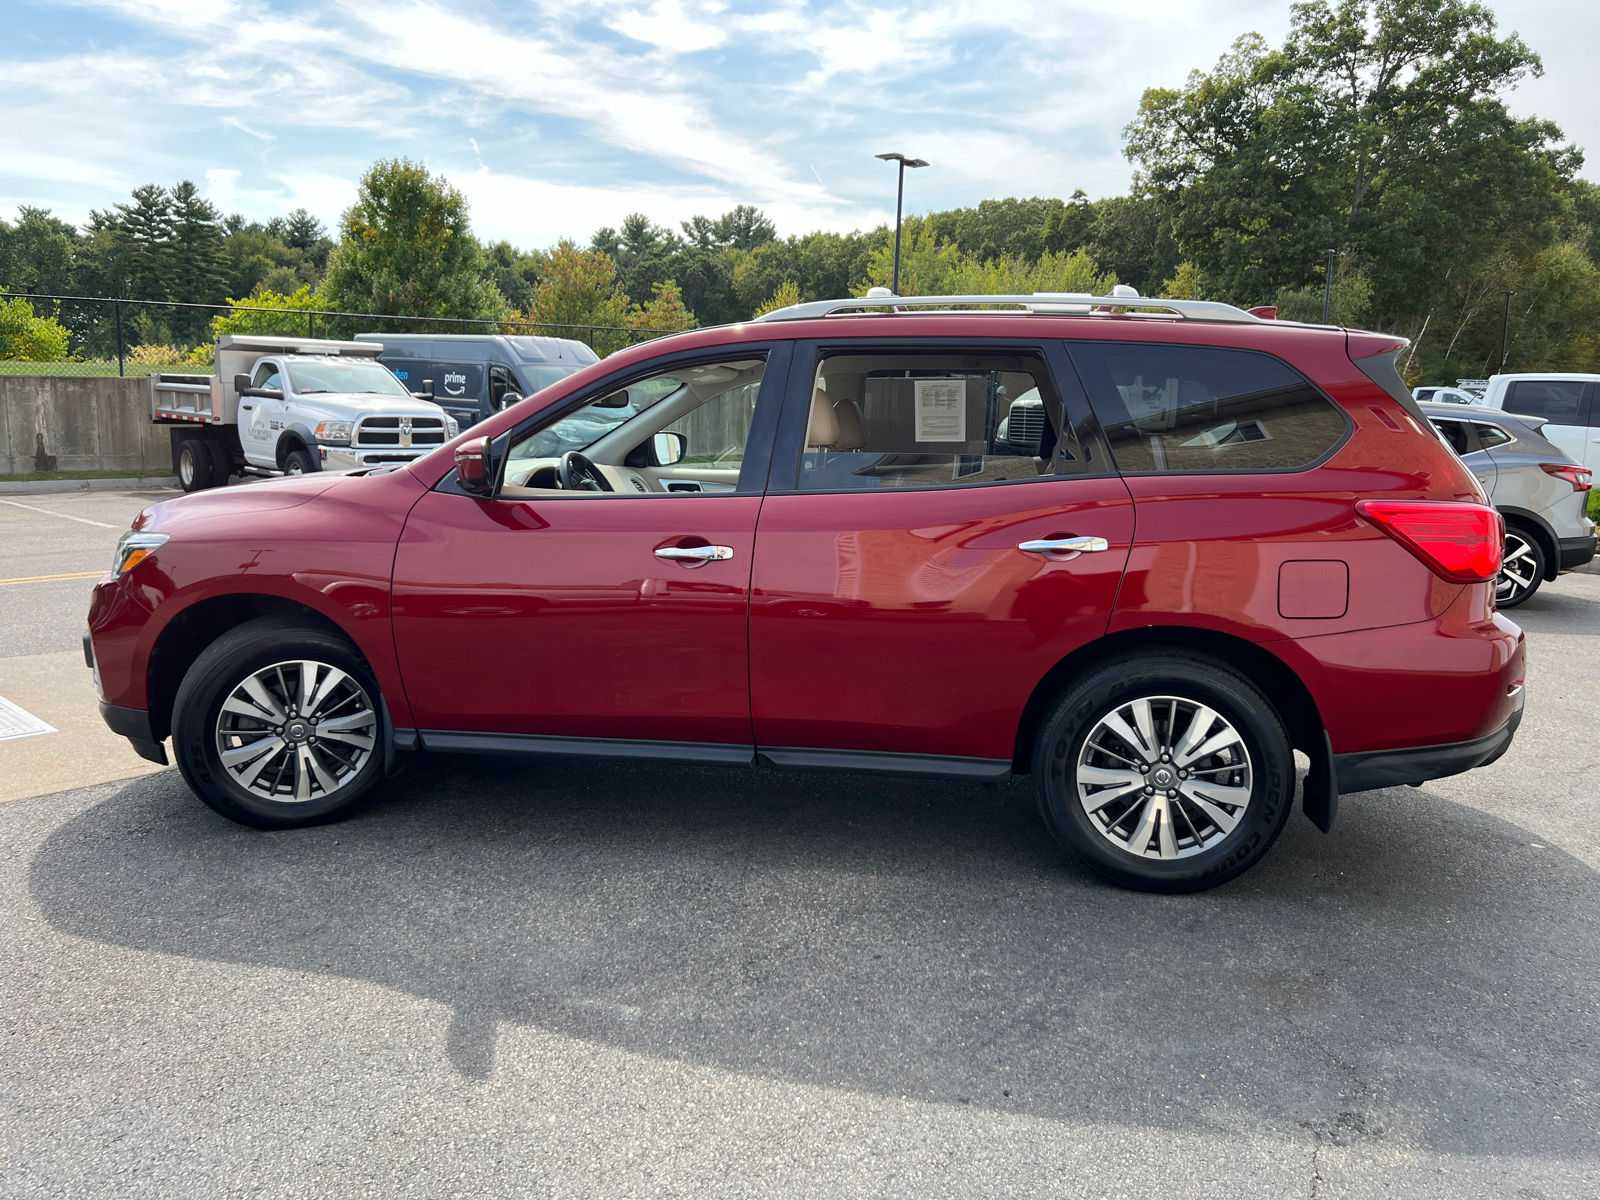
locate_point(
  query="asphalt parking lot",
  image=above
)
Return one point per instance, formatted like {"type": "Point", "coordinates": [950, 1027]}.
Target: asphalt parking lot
{"type": "Point", "coordinates": [508, 978]}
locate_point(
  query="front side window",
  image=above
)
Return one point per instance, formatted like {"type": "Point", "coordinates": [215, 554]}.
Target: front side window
{"type": "Point", "coordinates": [679, 432]}
{"type": "Point", "coordinates": [1169, 408]}
{"type": "Point", "coordinates": [334, 376]}
{"type": "Point", "coordinates": [899, 420]}
{"type": "Point", "coordinates": [1557, 400]}
{"type": "Point", "coordinates": [268, 376]}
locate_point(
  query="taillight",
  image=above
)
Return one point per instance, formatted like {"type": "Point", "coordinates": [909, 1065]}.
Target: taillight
{"type": "Point", "coordinates": [1458, 542]}
{"type": "Point", "coordinates": [1577, 476]}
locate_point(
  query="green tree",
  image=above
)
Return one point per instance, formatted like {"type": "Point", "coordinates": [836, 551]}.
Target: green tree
{"type": "Point", "coordinates": [405, 250]}
{"type": "Point", "coordinates": [286, 318]}
{"type": "Point", "coordinates": [197, 261]}
{"type": "Point", "coordinates": [664, 310]}
{"type": "Point", "coordinates": [31, 338]}
{"type": "Point", "coordinates": [144, 226]}
{"type": "Point", "coordinates": [1378, 127]}
{"type": "Point", "coordinates": [579, 288]}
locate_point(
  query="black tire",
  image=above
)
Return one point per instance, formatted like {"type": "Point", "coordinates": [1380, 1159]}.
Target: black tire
{"type": "Point", "coordinates": [1213, 855]}
{"type": "Point", "coordinates": [221, 464]}
{"type": "Point", "coordinates": [1522, 568]}
{"type": "Point", "coordinates": [196, 471]}
{"type": "Point", "coordinates": [299, 462]}
{"type": "Point", "coordinates": [200, 726]}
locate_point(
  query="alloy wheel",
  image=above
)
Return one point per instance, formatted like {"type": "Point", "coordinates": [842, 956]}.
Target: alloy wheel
{"type": "Point", "coordinates": [1163, 777]}
{"type": "Point", "coordinates": [296, 731]}
{"type": "Point", "coordinates": [1519, 570]}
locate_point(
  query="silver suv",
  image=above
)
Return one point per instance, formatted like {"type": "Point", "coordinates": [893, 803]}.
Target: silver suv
{"type": "Point", "coordinates": [1539, 489]}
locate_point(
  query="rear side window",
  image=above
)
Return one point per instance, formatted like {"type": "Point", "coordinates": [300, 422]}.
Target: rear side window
{"type": "Point", "coordinates": [1560, 401]}
{"type": "Point", "coordinates": [1455, 432]}
{"type": "Point", "coordinates": [916, 420]}
{"type": "Point", "coordinates": [1197, 408]}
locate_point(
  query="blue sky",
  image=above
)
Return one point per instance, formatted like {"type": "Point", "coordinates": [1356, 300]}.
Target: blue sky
{"type": "Point", "coordinates": [558, 117]}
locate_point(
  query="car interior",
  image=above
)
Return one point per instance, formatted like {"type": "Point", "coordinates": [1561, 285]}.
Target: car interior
{"type": "Point", "coordinates": [681, 433]}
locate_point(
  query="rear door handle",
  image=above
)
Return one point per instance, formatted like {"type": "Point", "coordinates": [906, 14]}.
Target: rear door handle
{"type": "Point", "coordinates": [1080, 545]}
{"type": "Point", "coordinates": [696, 554]}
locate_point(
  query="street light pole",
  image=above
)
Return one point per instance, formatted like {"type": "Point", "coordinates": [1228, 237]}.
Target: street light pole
{"type": "Point", "coordinates": [1327, 295]}
{"type": "Point", "coordinates": [1505, 334]}
{"type": "Point", "coordinates": [899, 201]}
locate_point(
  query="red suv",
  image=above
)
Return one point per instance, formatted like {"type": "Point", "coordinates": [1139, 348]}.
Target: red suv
{"type": "Point", "coordinates": [1143, 555]}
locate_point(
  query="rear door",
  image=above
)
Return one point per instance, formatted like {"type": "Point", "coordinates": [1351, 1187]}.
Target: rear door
{"type": "Point", "coordinates": [906, 600]}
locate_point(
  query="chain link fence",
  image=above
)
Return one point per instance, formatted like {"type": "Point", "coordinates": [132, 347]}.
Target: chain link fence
{"type": "Point", "coordinates": [112, 336]}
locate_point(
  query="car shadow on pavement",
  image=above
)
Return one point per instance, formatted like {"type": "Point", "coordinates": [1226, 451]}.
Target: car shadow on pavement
{"type": "Point", "coordinates": [1424, 975]}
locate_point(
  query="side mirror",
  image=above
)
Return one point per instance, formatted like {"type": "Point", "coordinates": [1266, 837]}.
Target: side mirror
{"type": "Point", "coordinates": [669, 448]}
{"type": "Point", "coordinates": [427, 390]}
{"type": "Point", "coordinates": [508, 399]}
{"type": "Point", "coordinates": [241, 384]}
{"type": "Point", "coordinates": [472, 467]}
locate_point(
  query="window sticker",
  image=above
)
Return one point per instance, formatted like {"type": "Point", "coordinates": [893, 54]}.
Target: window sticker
{"type": "Point", "coordinates": [941, 410]}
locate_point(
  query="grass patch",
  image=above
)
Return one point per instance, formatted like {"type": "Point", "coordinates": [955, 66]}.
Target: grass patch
{"type": "Point", "coordinates": [31, 476]}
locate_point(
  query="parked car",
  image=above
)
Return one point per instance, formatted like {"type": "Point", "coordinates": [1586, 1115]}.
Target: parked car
{"type": "Point", "coordinates": [1539, 490]}
{"type": "Point", "coordinates": [805, 549]}
{"type": "Point", "coordinates": [472, 375]}
{"type": "Point", "coordinates": [1568, 403]}
{"type": "Point", "coordinates": [1445, 395]}
{"type": "Point", "coordinates": [285, 405]}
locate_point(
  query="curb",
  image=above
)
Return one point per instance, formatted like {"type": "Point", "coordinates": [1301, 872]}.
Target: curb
{"type": "Point", "coordinates": [25, 486]}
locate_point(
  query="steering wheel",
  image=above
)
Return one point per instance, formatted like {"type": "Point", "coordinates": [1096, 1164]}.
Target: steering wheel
{"type": "Point", "coordinates": [578, 474]}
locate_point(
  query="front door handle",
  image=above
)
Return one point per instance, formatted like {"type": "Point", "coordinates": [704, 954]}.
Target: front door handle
{"type": "Point", "coordinates": [1066, 545]}
{"type": "Point", "coordinates": [696, 554]}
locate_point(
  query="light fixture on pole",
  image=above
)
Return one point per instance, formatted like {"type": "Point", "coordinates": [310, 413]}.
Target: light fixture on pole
{"type": "Point", "coordinates": [899, 201]}
{"type": "Point", "coordinates": [1327, 295]}
{"type": "Point", "coordinates": [1505, 334]}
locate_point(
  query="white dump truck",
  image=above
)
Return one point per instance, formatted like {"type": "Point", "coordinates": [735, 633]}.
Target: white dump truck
{"type": "Point", "coordinates": [281, 405]}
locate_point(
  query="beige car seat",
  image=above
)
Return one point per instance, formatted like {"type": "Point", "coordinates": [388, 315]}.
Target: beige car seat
{"type": "Point", "coordinates": [822, 429]}
{"type": "Point", "coordinates": [852, 429]}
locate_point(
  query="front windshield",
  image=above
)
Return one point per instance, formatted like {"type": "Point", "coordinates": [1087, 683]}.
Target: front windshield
{"type": "Point", "coordinates": [539, 378]}
{"type": "Point", "coordinates": [334, 375]}
{"type": "Point", "coordinates": [592, 422]}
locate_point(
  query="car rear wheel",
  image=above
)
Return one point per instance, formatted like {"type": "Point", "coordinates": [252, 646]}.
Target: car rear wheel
{"type": "Point", "coordinates": [1165, 772]}
{"type": "Point", "coordinates": [1522, 568]}
{"type": "Point", "coordinates": [195, 468]}
{"type": "Point", "coordinates": [279, 724]}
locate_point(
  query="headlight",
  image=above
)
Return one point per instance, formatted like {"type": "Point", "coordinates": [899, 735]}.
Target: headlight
{"type": "Point", "coordinates": [134, 547]}
{"type": "Point", "coordinates": [451, 427]}
{"type": "Point", "coordinates": [335, 433]}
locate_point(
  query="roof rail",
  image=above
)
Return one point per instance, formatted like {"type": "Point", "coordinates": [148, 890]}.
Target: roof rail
{"type": "Point", "coordinates": [1053, 303]}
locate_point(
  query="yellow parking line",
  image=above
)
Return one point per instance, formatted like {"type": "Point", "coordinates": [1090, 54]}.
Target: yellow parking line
{"type": "Point", "coordinates": [53, 578]}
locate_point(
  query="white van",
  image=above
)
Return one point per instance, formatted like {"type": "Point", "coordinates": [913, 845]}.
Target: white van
{"type": "Point", "coordinates": [1568, 401]}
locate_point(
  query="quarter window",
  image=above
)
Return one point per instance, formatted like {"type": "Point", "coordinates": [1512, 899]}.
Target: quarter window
{"type": "Point", "coordinates": [904, 420]}
{"type": "Point", "coordinates": [1490, 436]}
{"type": "Point", "coordinates": [1194, 408]}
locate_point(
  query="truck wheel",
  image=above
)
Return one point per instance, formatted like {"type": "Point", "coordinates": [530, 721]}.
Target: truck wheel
{"type": "Point", "coordinates": [299, 462]}
{"type": "Point", "coordinates": [195, 468]}
{"type": "Point", "coordinates": [1522, 567]}
{"type": "Point", "coordinates": [221, 464]}
{"type": "Point", "coordinates": [1165, 772]}
{"type": "Point", "coordinates": [278, 724]}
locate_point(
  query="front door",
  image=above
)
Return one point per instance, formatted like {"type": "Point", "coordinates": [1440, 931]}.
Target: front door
{"type": "Point", "coordinates": [586, 608]}
{"type": "Point", "coordinates": [257, 416]}
{"type": "Point", "coordinates": [944, 528]}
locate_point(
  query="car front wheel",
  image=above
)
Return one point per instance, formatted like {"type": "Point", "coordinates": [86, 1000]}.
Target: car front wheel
{"type": "Point", "coordinates": [279, 724]}
{"type": "Point", "coordinates": [1165, 772]}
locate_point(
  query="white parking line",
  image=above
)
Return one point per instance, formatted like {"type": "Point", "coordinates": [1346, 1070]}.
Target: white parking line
{"type": "Point", "coordinates": [63, 516]}
{"type": "Point", "coordinates": [17, 722]}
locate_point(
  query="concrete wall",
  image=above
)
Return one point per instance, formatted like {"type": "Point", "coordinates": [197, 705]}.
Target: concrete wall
{"type": "Point", "coordinates": [84, 424]}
